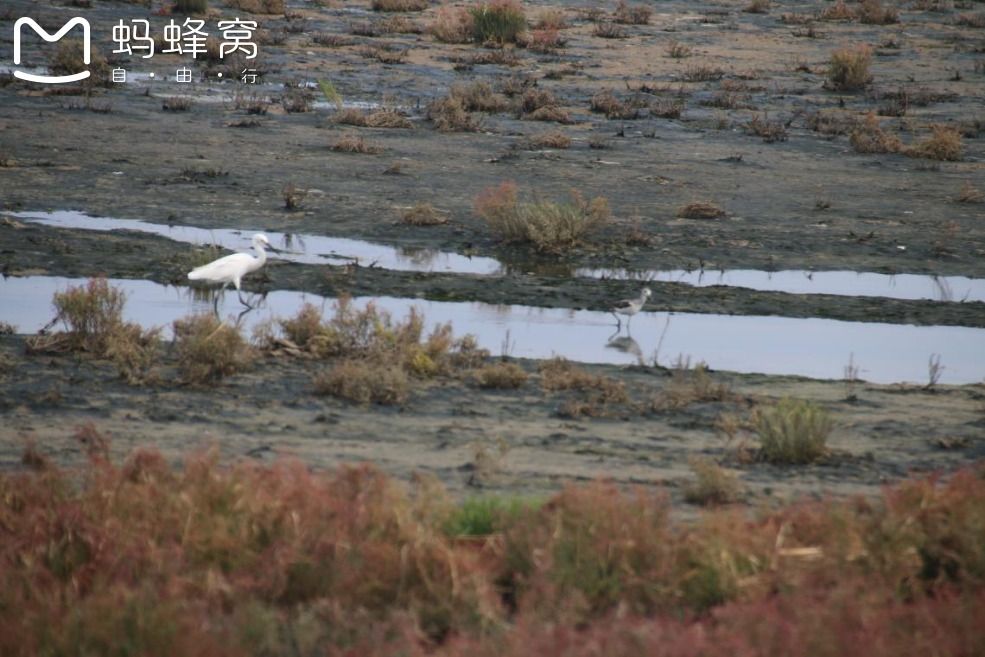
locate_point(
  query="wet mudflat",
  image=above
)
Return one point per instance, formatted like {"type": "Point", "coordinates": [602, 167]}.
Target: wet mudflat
{"type": "Point", "coordinates": [827, 254]}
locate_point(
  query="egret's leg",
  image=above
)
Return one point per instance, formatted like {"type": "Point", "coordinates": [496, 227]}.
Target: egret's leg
{"type": "Point", "coordinates": [618, 321]}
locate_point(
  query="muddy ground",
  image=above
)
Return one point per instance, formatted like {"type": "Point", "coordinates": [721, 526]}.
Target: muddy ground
{"type": "Point", "coordinates": [808, 202]}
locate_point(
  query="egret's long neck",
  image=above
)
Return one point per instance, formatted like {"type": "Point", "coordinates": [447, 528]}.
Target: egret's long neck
{"type": "Point", "coordinates": [261, 256]}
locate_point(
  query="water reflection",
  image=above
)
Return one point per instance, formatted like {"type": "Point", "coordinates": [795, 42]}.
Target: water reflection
{"type": "Point", "coordinates": [811, 347]}
{"type": "Point", "coordinates": [317, 249]}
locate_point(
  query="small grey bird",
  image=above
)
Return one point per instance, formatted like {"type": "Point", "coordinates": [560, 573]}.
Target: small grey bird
{"type": "Point", "coordinates": [630, 307]}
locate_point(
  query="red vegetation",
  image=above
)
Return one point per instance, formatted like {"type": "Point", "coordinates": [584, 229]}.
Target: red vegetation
{"type": "Point", "coordinates": [145, 559]}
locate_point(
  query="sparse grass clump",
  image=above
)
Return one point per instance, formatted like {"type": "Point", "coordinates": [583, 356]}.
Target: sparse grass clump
{"type": "Point", "coordinates": [597, 396]}
{"type": "Point", "coordinates": [501, 376]}
{"type": "Point", "coordinates": [364, 382]}
{"type": "Point", "coordinates": [479, 97]}
{"type": "Point", "coordinates": [544, 41]}
{"type": "Point", "coordinates": [449, 114]}
{"type": "Point", "coordinates": [382, 118]}
{"type": "Point", "coordinates": [293, 196]}
{"type": "Point", "coordinates": [452, 25]}
{"type": "Point", "coordinates": [355, 144]}
{"type": "Point", "coordinates": [628, 14]}
{"type": "Point", "coordinates": [701, 210]}
{"type": "Point", "coordinates": [370, 344]}
{"type": "Point", "coordinates": [848, 69]}
{"type": "Point", "coordinates": [69, 58]}
{"type": "Point", "coordinates": [606, 102]}
{"type": "Point", "coordinates": [92, 315]}
{"type": "Point", "coordinates": [770, 131]}
{"type": "Point", "coordinates": [177, 103]}
{"type": "Point", "coordinates": [678, 50]}
{"type": "Point", "coordinates": [555, 139]}
{"type": "Point", "coordinates": [712, 484]}
{"type": "Point", "coordinates": [970, 194]}
{"type": "Point", "coordinates": [869, 137]}
{"type": "Point", "coordinates": [423, 214]}
{"type": "Point", "coordinates": [793, 431]}
{"type": "Point", "coordinates": [551, 18]}
{"type": "Point", "coordinates": [610, 30]}
{"type": "Point", "coordinates": [690, 386]}
{"type": "Point", "coordinates": [208, 349]}
{"type": "Point", "coordinates": [872, 12]}
{"type": "Point", "coordinates": [548, 226]}
{"type": "Point", "coordinates": [944, 143]}
{"type": "Point", "coordinates": [399, 5]}
{"type": "Point", "coordinates": [257, 6]}
{"type": "Point", "coordinates": [499, 21]}
{"type": "Point", "coordinates": [839, 11]}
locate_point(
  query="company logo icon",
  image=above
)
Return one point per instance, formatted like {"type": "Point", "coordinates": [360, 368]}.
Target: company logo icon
{"type": "Point", "coordinates": [43, 33]}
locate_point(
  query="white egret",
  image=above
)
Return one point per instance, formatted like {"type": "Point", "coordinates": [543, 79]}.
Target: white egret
{"type": "Point", "coordinates": [629, 307]}
{"type": "Point", "coordinates": [232, 268]}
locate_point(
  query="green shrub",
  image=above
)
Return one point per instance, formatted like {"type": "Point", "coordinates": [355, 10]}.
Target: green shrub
{"type": "Point", "coordinates": [792, 431]}
{"type": "Point", "coordinates": [500, 21]}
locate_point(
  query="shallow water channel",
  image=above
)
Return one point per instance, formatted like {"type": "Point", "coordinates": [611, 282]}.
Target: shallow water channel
{"type": "Point", "coordinates": [819, 348]}
{"type": "Point", "coordinates": [317, 249]}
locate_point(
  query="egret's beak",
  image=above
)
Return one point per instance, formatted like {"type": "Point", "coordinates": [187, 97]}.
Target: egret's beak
{"type": "Point", "coordinates": [270, 247]}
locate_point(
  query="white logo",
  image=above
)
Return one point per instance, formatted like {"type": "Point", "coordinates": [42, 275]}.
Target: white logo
{"type": "Point", "coordinates": [52, 79]}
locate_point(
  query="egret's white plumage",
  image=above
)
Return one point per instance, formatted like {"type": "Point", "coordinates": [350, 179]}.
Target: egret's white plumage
{"type": "Point", "coordinates": [232, 268]}
{"type": "Point", "coordinates": [630, 307]}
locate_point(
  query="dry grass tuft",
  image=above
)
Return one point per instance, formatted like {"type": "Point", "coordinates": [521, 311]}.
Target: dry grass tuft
{"type": "Point", "coordinates": [544, 40]}
{"type": "Point", "coordinates": [598, 396]}
{"type": "Point", "coordinates": [548, 226]}
{"type": "Point", "coordinates": [551, 18]}
{"type": "Point", "coordinates": [770, 131]}
{"type": "Point", "coordinates": [944, 143]}
{"type": "Point", "coordinates": [382, 118]}
{"type": "Point", "coordinates": [92, 315]}
{"type": "Point", "coordinates": [701, 210]}
{"type": "Point", "coordinates": [713, 485]}
{"type": "Point", "coordinates": [610, 30]}
{"type": "Point", "coordinates": [399, 5]}
{"type": "Point", "coordinates": [555, 139]}
{"type": "Point", "coordinates": [177, 103]}
{"type": "Point", "coordinates": [449, 114]}
{"type": "Point", "coordinates": [678, 50]}
{"type": "Point", "coordinates": [501, 376]}
{"type": "Point", "coordinates": [839, 11]}
{"type": "Point", "coordinates": [364, 382]}
{"type": "Point", "coordinates": [757, 7]}
{"type": "Point", "coordinates": [872, 12]}
{"type": "Point", "coordinates": [869, 137]}
{"type": "Point", "coordinates": [257, 6]}
{"type": "Point", "coordinates": [69, 58]}
{"type": "Point", "coordinates": [452, 25]}
{"type": "Point", "coordinates": [606, 102]}
{"type": "Point", "coordinates": [479, 97]}
{"type": "Point", "coordinates": [970, 194]}
{"type": "Point", "coordinates": [793, 431]}
{"type": "Point", "coordinates": [208, 349]}
{"type": "Point", "coordinates": [423, 214]}
{"type": "Point", "coordinates": [848, 69]}
{"type": "Point", "coordinates": [293, 196]}
{"type": "Point", "coordinates": [691, 386]}
{"type": "Point", "coordinates": [355, 144]}
{"type": "Point", "coordinates": [631, 14]}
